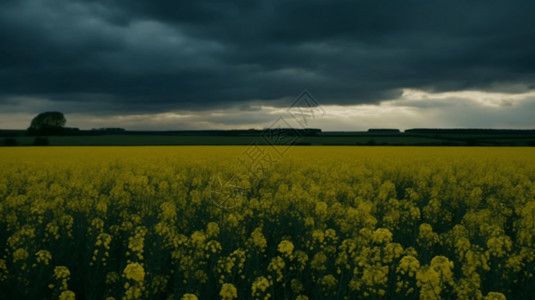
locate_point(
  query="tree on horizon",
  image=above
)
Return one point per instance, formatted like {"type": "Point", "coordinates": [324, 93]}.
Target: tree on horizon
{"type": "Point", "coordinates": [51, 122]}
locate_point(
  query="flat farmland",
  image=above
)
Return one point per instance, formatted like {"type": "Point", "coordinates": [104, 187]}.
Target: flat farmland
{"type": "Point", "coordinates": [264, 222]}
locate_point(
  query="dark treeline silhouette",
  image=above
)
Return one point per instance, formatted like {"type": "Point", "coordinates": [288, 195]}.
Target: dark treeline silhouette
{"type": "Point", "coordinates": [47, 129]}
{"type": "Point", "coordinates": [474, 131]}
{"type": "Point", "coordinates": [383, 130]}
{"type": "Point", "coordinates": [47, 123]}
{"type": "Point", "coordinates": [109, 130]}
{"type": "Point", "coordinates": [233, 132]}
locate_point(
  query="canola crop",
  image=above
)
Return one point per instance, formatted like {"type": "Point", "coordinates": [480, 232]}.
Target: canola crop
{"type": "Point", "coordinates": [315, 223]}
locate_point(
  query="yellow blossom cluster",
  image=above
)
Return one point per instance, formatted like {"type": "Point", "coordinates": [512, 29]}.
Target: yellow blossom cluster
{"type": "Point", "coordinates": [318, 223]}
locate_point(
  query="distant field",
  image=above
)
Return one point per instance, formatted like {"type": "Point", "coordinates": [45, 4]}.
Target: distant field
{"type": "Point", "coordinates": [324, 138]}
{"type": "Point", "coordinates": [215, 222]}
{"type": "Point", "coordinates": [138, 140]}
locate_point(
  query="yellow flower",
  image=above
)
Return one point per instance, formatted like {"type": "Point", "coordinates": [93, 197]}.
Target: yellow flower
{"type": "Point", "coordinates": [297, 286]}
{"type": "Point", "coordinates": [382, 236]}
{"type": "Point", "coordinates": [168, 211]}
{"type": "Point", "coordinates": [286, 247]}
{"type": "Point", "coordinates": [426, 236]}
{"type": "Point", "coordinates": [328, 281]}
{"type": "Point", "coordinates": [189, 297]}
{"type": "Point", "coordinates": [443, 266]}
{"type": "Point", "coordinates": [318, 235]}
{"type": "Point", "coordinates": [133, 292]}
{"type": "Point", "coordinates": [429, 283]}
{"type": "Point", "coordinates": [102, 207]}
{"type": "Point", "coordinates": [61, 272]}
{"type": "Point", "coordinates": [495, 296]}
{"type": "Point", "coordinates": [67, 295]}
{"type": "Point", "coordinates": [198, 238]}
{"type": "Point", "coordinates": [97, 224]}
{"type": "Point", "coordinates": [330, 234]}
{"type": "Point", "coordinates": [462, 245]}
{"type": "Point", "coordinates": [375, 275]}
{"type": "Point", "coordinates": [318, 261]}
{"type": "Point", "coordinates": [112, 277]}
{"type": "Point", "coordinates": [515, 263]}
{"type": "Point", "coordinates": [135, 272]}
{"type": "Point", "coordinates": [321, 208]}
{"type": "Point", "coordinates": [136, 242]}
{"type": "Point", "coordinates": [3, 270]}
{"type": "Point", "coordinates": [260, 285]}
{"type": "Point", "coordinates": [408, 265]}
{"type": "Point", "coordinates": [392, 251]}
{"type": "Point", "coordinates": [233, 220]}
{"type": "Point", "coordinates": [228, 292]}
{"type": "Point", "coordinates": [201, 276]}
{"type": "Point", "coordinates": [432, 279]}
{"type": "Point", "coordinates": [499, 246]}
{"type": "Point", "coordinates": [20, 254]}
{"type": "Point", "coordinates": [468, 288]}
{"type": "Point", "coordinates": [213, 246]}
{"type": "Point", "coordinates": [103, 239]}
{"type": "Point", "coordinates": [212, 229]}
{"type": "Point", "coordinates": [277, 265]}
{"type": "Point", "coordinates": [43, 256]}
{"type": "Point", "coordinates": [159, 283]}
{"type": "Point", "coordinates": [309, 222]}
{"type": "Point", "coordinates": [301, 258]}
{"type": "Point", "coordinates": [258, 239]}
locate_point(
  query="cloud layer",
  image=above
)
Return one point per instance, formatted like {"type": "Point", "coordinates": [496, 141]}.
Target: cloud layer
{"type": "Point", "coordinates": [123, 58]}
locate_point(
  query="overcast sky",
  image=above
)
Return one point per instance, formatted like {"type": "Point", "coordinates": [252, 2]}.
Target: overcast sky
{"type": "Point", "coordinates": [171, 64]}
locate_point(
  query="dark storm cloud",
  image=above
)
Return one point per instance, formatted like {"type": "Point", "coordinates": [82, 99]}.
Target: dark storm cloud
{"type": "Point", "coordinates": [143, 56]}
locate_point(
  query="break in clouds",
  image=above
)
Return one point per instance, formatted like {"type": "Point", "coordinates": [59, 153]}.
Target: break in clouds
{"type": "Point", "coordinates": [207, 64]}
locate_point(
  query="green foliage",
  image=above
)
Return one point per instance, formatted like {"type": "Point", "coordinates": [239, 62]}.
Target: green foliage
{"type": "Point", "coordinates": [40, 141]}
{"type": "Point", "coordinates": [10, 142]}
{"type": "Point", "coordinates": [47, 123]}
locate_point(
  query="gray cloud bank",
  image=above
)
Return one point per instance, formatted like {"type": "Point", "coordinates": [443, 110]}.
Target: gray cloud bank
{"type": "Point", "coordinates": [118, 57]}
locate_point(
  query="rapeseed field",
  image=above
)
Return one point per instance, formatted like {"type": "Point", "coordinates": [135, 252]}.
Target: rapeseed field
{"type": "Point", "coordinates": [306, 223]}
